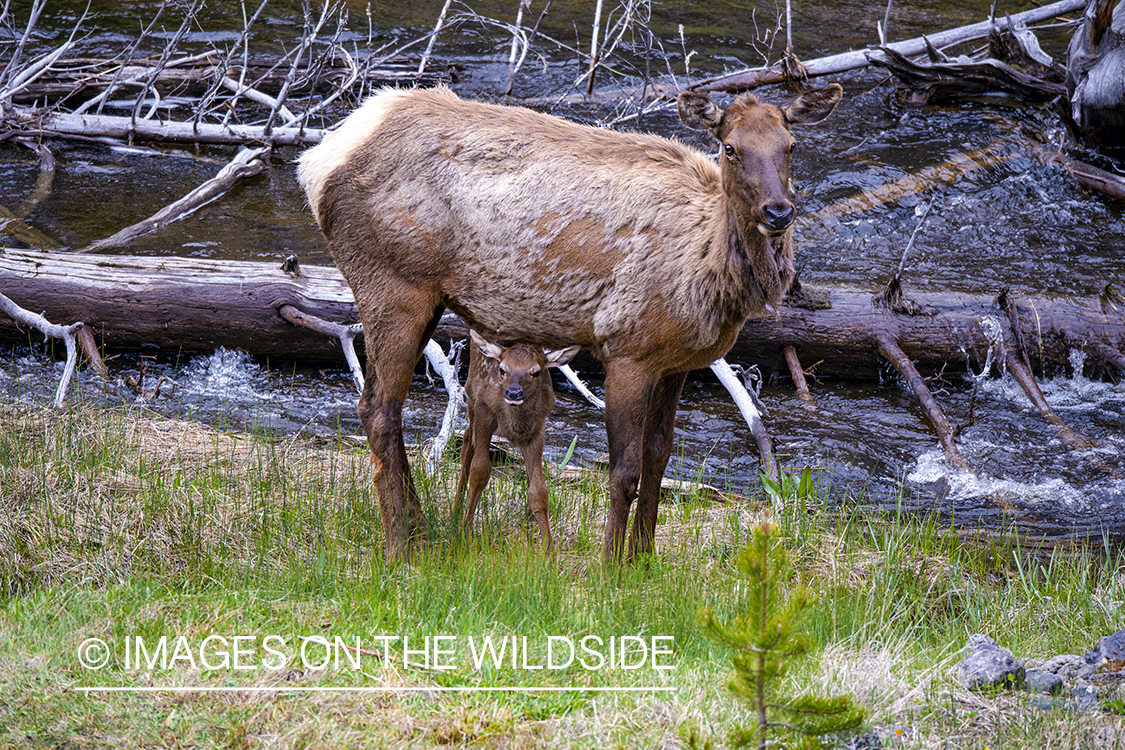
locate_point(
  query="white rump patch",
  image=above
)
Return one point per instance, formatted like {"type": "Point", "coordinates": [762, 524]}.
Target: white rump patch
{"type": "Point", "coordinates": [317, 164]}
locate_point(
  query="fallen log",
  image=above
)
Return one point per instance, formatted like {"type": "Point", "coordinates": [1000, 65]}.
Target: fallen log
{"type": "Point", "coordinates": [751, 78]}
{"type": "Point", "coordinates": [199, 305]}
{"type": "Point", "coordinates": [946, 331]}
{"type": "Point", "coordinates": [928, 83]}
{"type": "Point", "coordinates": [79, 78]}
{"type": "Point", "coordinates": [46, 122]}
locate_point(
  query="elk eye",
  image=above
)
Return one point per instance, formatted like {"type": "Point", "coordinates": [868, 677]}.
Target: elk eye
{"type": "Point", "coordinates": [503, 370]}
{"type": "Point", "coordinates": [728, 150]}
{"type": "Point", "coordinates": [792, 146]}
{"type": "Point", "coordinates": [536, 373]}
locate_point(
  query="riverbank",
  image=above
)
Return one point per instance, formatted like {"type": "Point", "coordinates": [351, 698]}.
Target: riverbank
{"type": "Point", "coordinates": [231, 589]}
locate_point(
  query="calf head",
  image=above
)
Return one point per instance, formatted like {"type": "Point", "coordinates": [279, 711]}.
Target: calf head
{"type": "Point", "coordinates": [756, 147]}
{"type": "Point", "coordinates": [523, 368]}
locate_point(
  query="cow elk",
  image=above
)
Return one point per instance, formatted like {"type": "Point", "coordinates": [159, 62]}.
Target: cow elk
{"type": "Point", "coordinates": [538, 230]}
{"type": "Point", "coordinates": [509, 393]}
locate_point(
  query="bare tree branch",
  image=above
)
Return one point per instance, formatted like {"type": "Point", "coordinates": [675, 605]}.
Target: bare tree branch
{"type": "Point", "coordinates": [49, 329]}
{"type": "Point", "coordinates": [245, 164]}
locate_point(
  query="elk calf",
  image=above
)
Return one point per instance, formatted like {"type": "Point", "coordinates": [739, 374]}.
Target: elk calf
{"type": "Point", "coordinates": [509, 393]}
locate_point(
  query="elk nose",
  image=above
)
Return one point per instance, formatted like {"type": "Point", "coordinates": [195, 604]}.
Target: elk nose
{"type": "Point", "coordinates": [513, 394]}
{"type": "Point", "coordinates": [779, 215]}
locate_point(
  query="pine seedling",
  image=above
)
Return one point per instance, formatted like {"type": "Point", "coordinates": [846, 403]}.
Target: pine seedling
{"type": "Point", "coordinates": [764, 640]}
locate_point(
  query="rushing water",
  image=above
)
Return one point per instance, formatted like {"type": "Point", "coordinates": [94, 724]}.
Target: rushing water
{"type": "Point", "coordinates": [1016, 223]}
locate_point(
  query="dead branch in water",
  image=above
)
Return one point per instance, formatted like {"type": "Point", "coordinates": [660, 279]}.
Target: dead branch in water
{"type": "Point", "coordinates": [67, 333]}
{"type": "Point", "coordinates": [890, 350]}
{"type": "Point", "coordinates": [751, 78]}
{"type": "Point", "coordinates": [797, 373]}
{"type": "Point", "coordinates": [245, 164]}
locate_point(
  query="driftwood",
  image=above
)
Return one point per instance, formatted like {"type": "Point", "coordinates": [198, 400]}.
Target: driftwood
{"type": "Point", "coordinates": [245, 164]}
{"type": "Point", "coordinates": [199, 305]}
{"type": "Point", "coordinates": [945, 80]}
{"type": "Point", "coordinates": [78, 79]}
{"type": "Point", "coordinates": [47, 123]}
{"type": "Point", "coordinates": [750, 78]}
{"type": "Point", "coordinates": [74, 335]}
{"type": "Point", "coordinates": [283, 311]}
{"type": "Point", "coordinates": [1095, 71]}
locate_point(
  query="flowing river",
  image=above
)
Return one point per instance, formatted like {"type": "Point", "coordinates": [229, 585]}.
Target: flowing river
{"type": "Point", "coordinates": [1015, 223]}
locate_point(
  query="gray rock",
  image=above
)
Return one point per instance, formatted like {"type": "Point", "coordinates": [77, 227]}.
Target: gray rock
{"type": "Point", "coordinates": [1086, 698]}
{"type": "Point", "coordinates": [1039, 681]}
{"type": "Point", "coordinates": [1064, 665]}
{"type": "Point", "coordinates": [990, 665]}
{"type": "Point", "coordinates": [866, 741]}
{"type": "Point", "coordinates": [1105, 663]}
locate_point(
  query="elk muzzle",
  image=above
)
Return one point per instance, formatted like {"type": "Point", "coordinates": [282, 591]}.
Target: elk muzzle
{"type": "Point", "coordinates": [777, 217]}
{"type": "Point", "coordinates": [513, 394]}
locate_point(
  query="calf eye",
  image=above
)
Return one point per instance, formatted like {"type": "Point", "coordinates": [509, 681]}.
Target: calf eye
{"type": "Point", "coordinates": [728, 150]}
{"type": "Point", "coordinates": [792, 147]}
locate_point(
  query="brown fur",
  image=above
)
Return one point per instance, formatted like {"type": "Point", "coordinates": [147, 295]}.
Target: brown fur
{"type": "Point", "coordinates": [536, 229]}
{"type": "Point", "coordinates": [497, 373]}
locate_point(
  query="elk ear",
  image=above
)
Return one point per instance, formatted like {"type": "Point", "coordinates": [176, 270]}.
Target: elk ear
{"type": "Point", "coordinates": [812, 106]}
{"type": "Point", "coordinates": [487, 348]}
{"type": "Point", "coordinates": [698, 112]}
{"type": "Point", "coordinates": [559, 357]}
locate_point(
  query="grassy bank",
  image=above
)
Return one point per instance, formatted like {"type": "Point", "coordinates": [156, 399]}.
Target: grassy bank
{"type": "Point", "coordinates": [258, 560]}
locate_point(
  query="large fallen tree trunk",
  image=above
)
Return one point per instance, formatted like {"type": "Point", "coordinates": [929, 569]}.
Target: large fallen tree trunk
{"type": "Point", "coordinates": [198, 305]}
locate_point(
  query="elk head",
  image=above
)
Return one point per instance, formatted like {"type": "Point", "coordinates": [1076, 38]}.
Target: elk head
{"type": "Point", "coordinates": [756, 145]}
{"type": "Point", "coordinates": [522, 367]}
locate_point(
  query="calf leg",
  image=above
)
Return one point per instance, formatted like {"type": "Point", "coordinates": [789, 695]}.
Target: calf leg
{"type": "Point", "coordinates": [466, 461]}
{"type": "Point", "coordinates": [660, 424]}
{"type": "Point", "coordinates": [537, 496]}
{"type": "Point", "coordinates": [628, 390]}
{"type": "Point", "coordinates": [482, 425]}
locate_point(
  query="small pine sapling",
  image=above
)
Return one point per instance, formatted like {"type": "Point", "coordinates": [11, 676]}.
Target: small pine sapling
{"type": "Point", "coordinates": [764, 639]}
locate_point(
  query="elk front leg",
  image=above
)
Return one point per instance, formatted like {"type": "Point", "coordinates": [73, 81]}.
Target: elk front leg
{"type": "Point", "coordinates": [660, 426]}
{"type": "Point", "coordinates": [628, 391]}
{"type": "Point", "coordinates": [537, 495]}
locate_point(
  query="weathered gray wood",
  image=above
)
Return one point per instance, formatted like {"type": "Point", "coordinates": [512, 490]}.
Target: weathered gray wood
{"type": "Point", "coordinates": [1096, 75]}
{"type": "Point", "coordinates": [198, 305]}
{"type": "Point", "coordinates": [179, 303]}
{"type": "Point", "coordinates": [750, 78]}
{"type": "Point", "coordinates": [112, 126]}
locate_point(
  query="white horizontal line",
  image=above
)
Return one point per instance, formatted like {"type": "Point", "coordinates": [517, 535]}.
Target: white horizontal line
{"type": "Point", "coordinates": [364, 689]}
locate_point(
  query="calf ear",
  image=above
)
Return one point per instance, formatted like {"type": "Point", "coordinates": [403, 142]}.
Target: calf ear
{"type": "Point", "coordinates": [487, 348]}
{"type": "Point", "coordinates": [698, 112]}
{"type": "Point", "coordinates": [812, 106]}
{"type": "Point", "coordinates": [559, 357]}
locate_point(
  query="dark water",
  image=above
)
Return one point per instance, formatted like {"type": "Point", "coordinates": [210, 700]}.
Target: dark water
{"type": "Point", "coordinates": [1017, 223]}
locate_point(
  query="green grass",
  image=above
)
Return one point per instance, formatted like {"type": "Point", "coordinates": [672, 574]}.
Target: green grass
{"type": "Point", "coordinates": [119, 525]}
